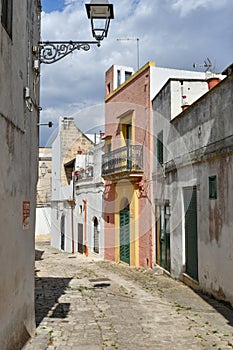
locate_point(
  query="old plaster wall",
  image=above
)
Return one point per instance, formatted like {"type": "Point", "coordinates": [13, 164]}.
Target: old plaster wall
{"type": "Point", "coordinates": [19, 157]}
{"type": "Point", "coordinates": [215, 229]}
{"type": "Point", "coordinates": [206, 130]}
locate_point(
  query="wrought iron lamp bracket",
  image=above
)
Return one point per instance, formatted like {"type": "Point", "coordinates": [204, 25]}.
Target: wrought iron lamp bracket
{"type": "Point", "coordinates": [53, 51]}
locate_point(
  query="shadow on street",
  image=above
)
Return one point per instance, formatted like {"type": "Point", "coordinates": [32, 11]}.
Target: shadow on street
{"type": "Point", "coordinates": [38, 254]}
{"type": "Point", "coordinates": [225, 309]}
{"type": "Point", "coordinates": [47, 292]}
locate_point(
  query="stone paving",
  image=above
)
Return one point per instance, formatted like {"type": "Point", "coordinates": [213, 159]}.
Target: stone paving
{"type": "Point", "coordinates": [88, 304]}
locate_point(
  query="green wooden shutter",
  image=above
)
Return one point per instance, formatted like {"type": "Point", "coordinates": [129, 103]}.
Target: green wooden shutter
{"type": "Point", "coordinates": [125, 236]}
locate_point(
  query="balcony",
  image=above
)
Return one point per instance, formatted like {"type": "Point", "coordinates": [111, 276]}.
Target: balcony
{"type": "Point", "coordinates": [123, 162]}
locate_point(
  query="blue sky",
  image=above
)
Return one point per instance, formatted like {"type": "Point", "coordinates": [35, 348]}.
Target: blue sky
{"type": "Point", "coordinates": [172, 33]}
{"type": "Point", "coordinates": [52, 5]}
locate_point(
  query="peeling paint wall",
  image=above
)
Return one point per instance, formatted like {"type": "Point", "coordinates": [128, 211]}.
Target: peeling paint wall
{"type": "Point", "coordinates": [216, 229]}
{"type": "Point", "coordinates": [199, 146]}
{"type": "Point", "coordinates": [18, 168]}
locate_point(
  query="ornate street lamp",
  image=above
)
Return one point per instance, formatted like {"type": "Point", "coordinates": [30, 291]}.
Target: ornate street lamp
{"type": "Point", "coordinates": [100, 12]}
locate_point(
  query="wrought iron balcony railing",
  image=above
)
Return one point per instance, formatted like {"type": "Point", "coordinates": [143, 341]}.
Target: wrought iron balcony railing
{"type": "Point", "coordinates": [125, 159]}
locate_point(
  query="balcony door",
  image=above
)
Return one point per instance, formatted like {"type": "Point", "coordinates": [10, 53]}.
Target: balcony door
{"type": "Point", "coordinates": [128, 134]}
{"type": "Point", "coordinates": [128, 142]}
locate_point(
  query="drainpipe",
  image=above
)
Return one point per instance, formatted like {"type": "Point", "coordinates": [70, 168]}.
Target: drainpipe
{"type": "Point", "coordinates": [85, 227]}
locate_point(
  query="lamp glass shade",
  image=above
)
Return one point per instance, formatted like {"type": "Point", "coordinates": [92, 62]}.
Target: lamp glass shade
{"type": "Point", "coordinates": [98, 9]}
{"type": "Point", "coordinates": [100, 12]}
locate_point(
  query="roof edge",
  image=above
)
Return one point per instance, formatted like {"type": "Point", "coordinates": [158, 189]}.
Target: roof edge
{"type": "Point", "coordinates": [134, 76]}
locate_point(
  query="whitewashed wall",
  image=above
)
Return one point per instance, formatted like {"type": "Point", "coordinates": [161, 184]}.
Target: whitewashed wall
{"type": "Point", "coordinates": [43, 223]}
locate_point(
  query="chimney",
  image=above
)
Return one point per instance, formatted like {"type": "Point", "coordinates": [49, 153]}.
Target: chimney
{"type": "Point", "coordinates": [212, 82]}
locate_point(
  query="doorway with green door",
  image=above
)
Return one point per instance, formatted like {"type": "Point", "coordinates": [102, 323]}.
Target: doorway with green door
{"type": "Point", "coordinates": [125, 233]}
{"type": "Point", "coordinates": [162, 229]}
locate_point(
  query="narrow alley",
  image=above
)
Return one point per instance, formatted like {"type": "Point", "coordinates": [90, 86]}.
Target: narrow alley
{"type": "Point", "coordinates": [88, 304]}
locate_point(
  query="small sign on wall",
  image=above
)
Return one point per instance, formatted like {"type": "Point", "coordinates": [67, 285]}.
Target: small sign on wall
{"type": "Point", "coordinates": [26, 215]}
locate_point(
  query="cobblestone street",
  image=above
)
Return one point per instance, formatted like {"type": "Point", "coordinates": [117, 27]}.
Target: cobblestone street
{"type": "Point", "coordinates": [87, 304]}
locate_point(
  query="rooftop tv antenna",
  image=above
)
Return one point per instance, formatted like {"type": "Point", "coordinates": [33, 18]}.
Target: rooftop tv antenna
{"type": "Point", "coordinates": [132, 39]}
{"type": "Point", "coordinates": [207, 65]}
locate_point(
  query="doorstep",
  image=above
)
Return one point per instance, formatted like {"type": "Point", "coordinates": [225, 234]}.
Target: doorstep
{"type": "Point", "coordinates": [189, 281]}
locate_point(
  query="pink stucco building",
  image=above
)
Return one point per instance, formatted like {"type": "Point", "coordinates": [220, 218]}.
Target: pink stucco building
{"type": "Point", "coordinates": [127, 164]}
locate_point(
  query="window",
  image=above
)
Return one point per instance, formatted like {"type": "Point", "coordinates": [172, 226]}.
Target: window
{"type": "Point", "coordinates": [212, 187]}
{"type": "Point", "coordinates": [6, 17]}
{"type": "Point", "coordinates": [127, 75]}
{"type": "Point", "coordinates": [118, 77]}
{"type": "Point", "coordinates": [127, 129]}
{"type": "Point", "coordinates": [160, 147]}
{"type": "Point", "coordinates": [128, 134]}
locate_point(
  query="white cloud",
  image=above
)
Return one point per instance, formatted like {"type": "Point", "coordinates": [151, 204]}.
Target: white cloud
{"type": "Point", "coordinates": [78, 81]}
{"type": "Point", "coordinates": [185, 7]}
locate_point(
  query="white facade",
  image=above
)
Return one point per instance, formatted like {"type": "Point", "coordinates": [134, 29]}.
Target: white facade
{"type": "Point", "coordinates": [89, 191]}
{"type": "Point", "coordinates": [184, 93]}
{"type": "Point", "coordinates": [121, 74]}
{"type": "Point", "coordinates": [44, 176]}
{"type": "Point", "coordinates": [69, 142]}
{"type": "Point", "coordinates": [43, 203]}
{"type": "Point", "coordinates": [43, 223]}
{"type": "Point", "coordinates": [19, 116]}
{"type": "Point", "coordinates": [195, 182]}
{"type": "Point", "coordinates": [160, 75]}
